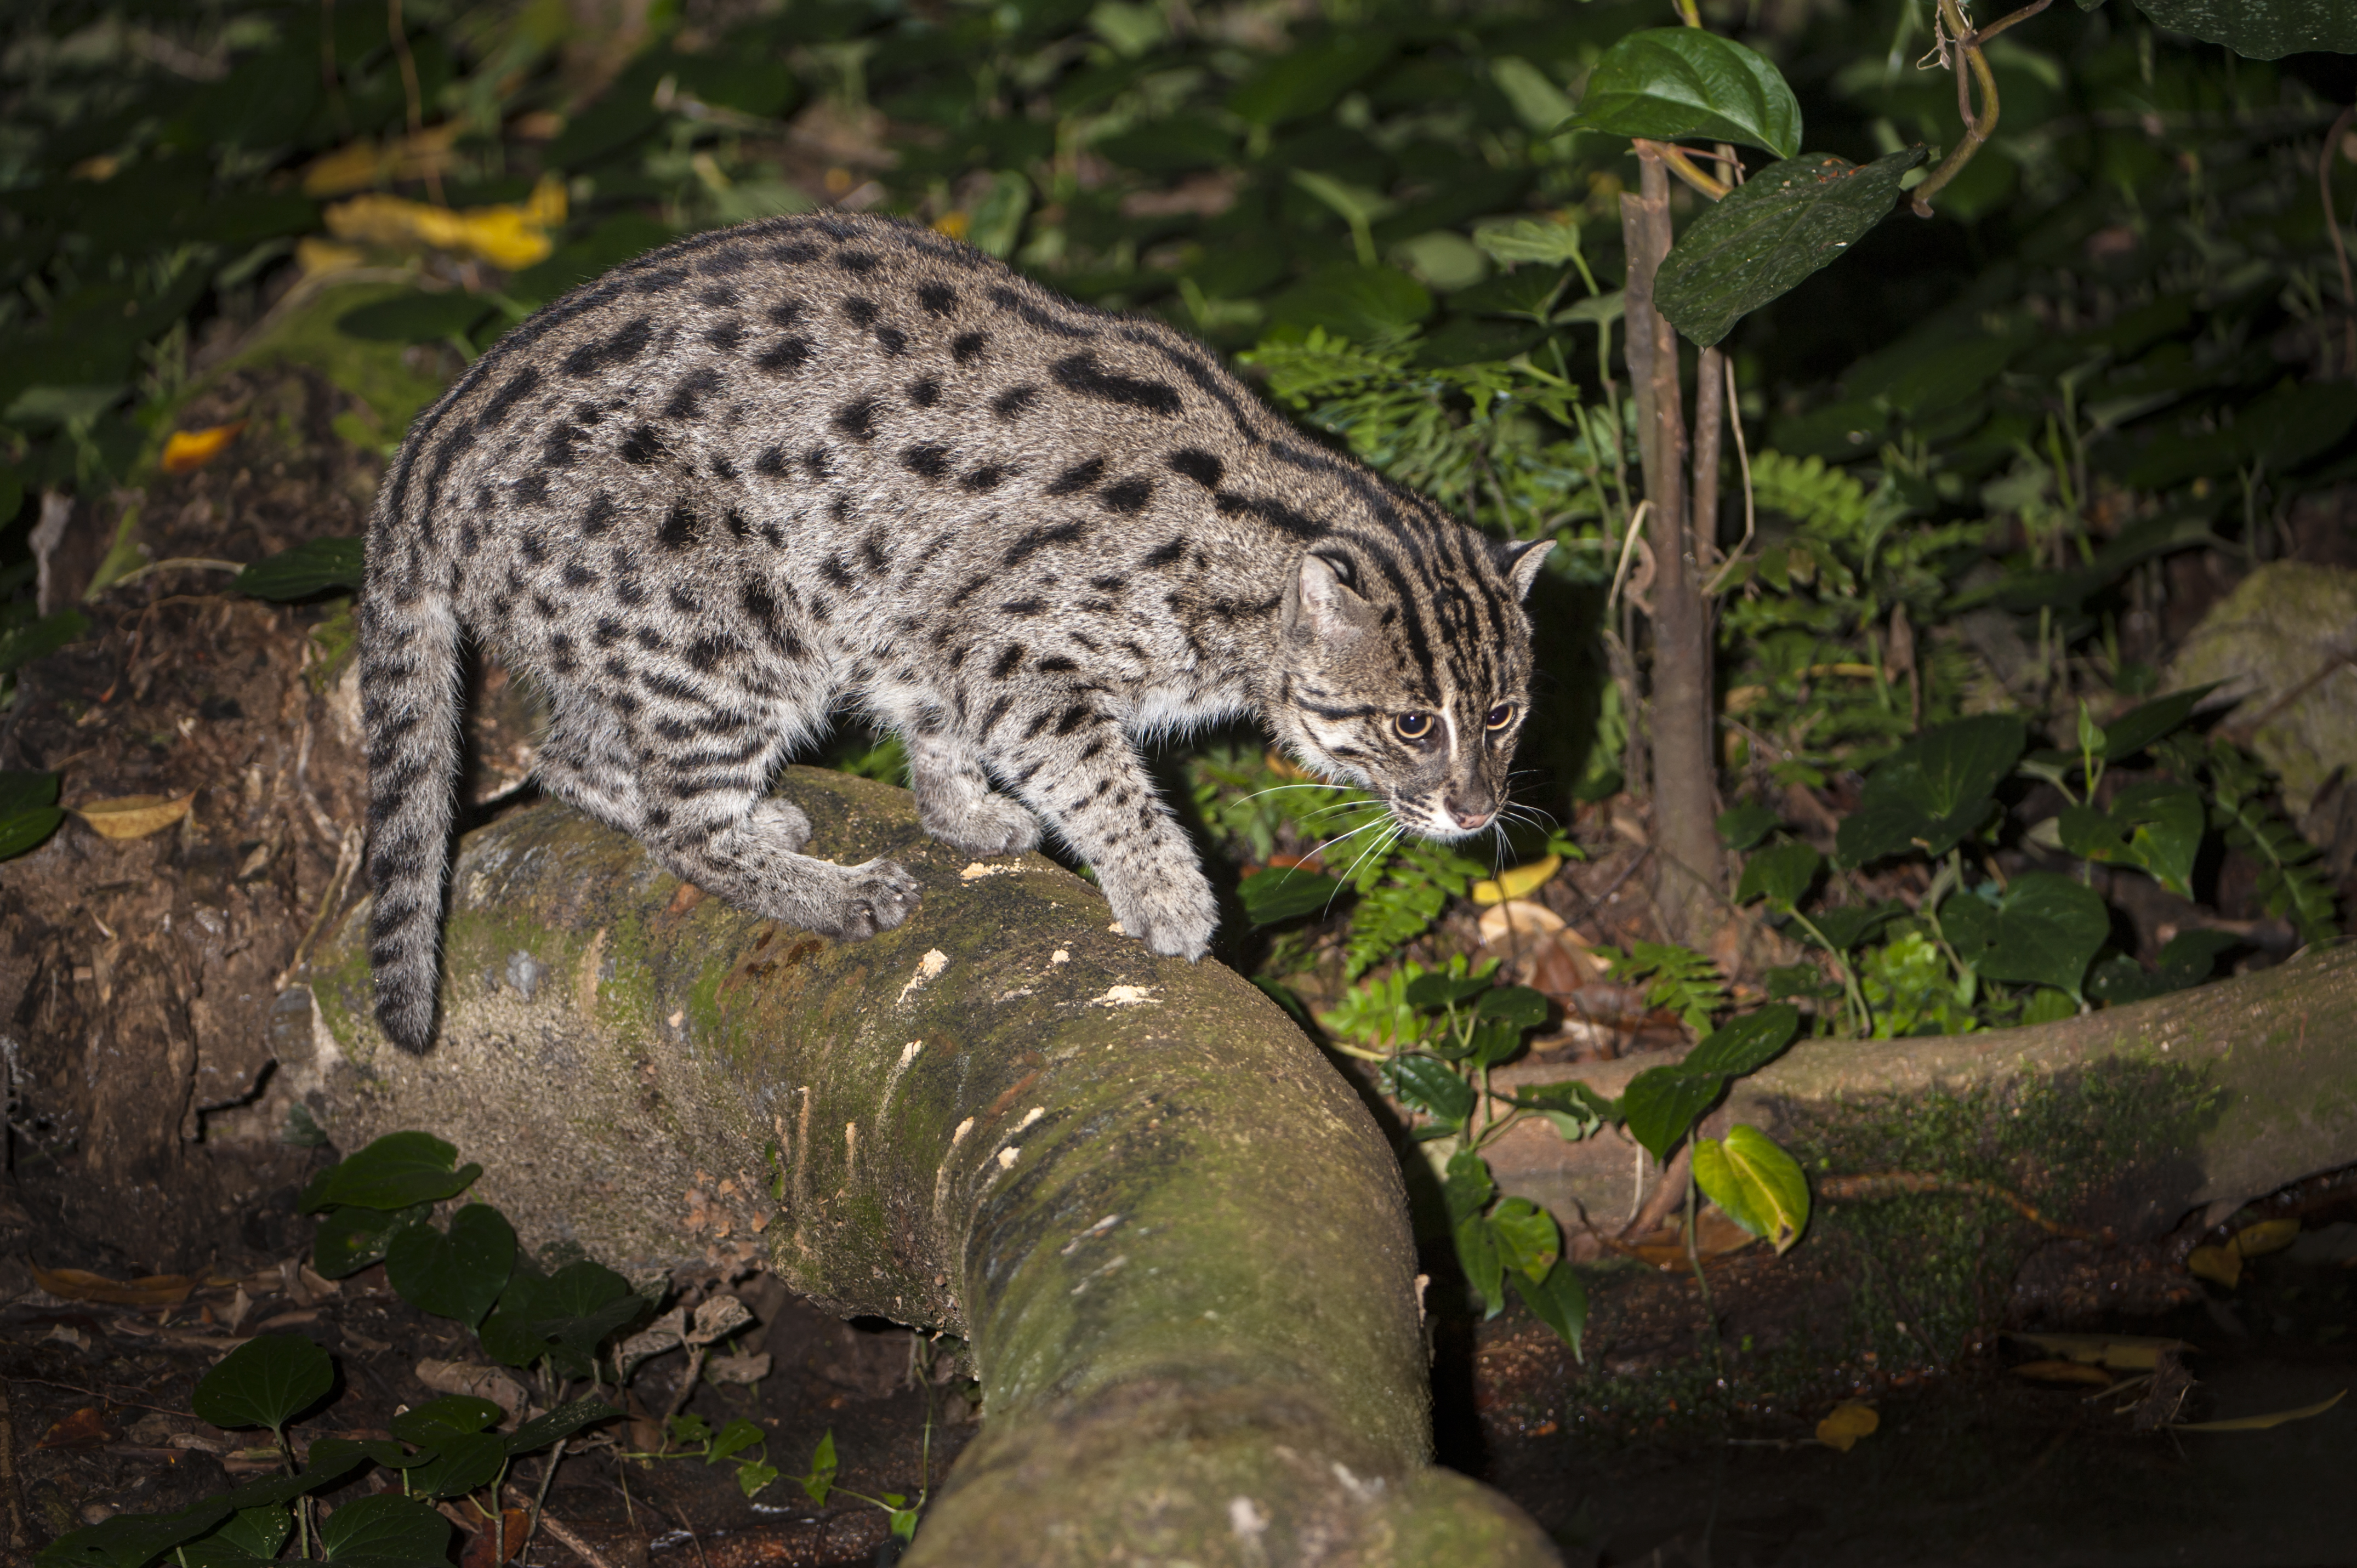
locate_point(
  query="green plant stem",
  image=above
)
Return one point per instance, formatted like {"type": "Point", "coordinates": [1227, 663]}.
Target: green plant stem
{"type": "Point", "coordinates": [1968, 43]}
{"type": "Point", "coordinates": [1861, 1014]}
{"type": "Point", "coordinates": [1694, 1260]}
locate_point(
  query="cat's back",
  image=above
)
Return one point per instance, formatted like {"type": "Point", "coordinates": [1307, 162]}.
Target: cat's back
{"type": "Point", "coordinates": [797, 383]}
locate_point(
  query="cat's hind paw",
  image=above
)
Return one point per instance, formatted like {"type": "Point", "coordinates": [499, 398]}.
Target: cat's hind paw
{"type": "Point", "coordinates": [994, 825]}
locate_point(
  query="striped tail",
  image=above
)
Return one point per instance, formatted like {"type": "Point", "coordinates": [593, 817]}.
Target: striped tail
{"type": "Point", "coordinates": [409, 709]}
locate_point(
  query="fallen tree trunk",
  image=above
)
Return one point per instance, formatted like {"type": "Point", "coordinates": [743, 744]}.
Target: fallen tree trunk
{"type": "Point", "coordinates": [2220, 1095]}
{"type": "Point", "coordinates": [1174, 1240]}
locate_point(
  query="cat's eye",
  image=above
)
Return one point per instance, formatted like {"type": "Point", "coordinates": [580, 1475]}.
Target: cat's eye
{"type": "Point", "coordinates": [1412, 726]}
{"type": "Point", "coordinates": [1501, 716]}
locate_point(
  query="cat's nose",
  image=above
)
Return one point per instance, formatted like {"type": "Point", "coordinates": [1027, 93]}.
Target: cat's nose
{"type": "Point", "coordinates": [1468, 817]}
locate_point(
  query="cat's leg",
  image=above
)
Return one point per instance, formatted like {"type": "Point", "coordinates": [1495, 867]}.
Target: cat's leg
{"type": "Point", "coordinates": [956, 803]}
{"type": "Point", "coordinates": [1070, 763]}
{"type": "Point", "coordinates": [701, 810]}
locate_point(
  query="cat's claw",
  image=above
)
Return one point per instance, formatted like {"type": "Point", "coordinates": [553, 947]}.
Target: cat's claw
{"type": "Point", "coordinates": [875, 897]}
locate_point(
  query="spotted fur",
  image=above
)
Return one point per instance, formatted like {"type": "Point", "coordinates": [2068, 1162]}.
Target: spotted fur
{"type": "Point", "coordinates": [726, 487]}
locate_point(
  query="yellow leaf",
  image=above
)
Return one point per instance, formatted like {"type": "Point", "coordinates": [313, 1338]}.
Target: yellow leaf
{"type": "Point", "coordinates": [134, 816]}
{"type": "Point", "coordinates": [348, 169]}
{"type": "Point", "coordinates": [1849, 1421]}
{"type": "Point", "coordinates": [315, 255]}
{"type": "Point", "coordinates": [2219, 1265]}
{"type": "Point", "coordinates": [188, 450]}
{"type": "Point", "coordinates": [955, 223]}
{"type": "Point", "coordinates": [508, 235]}
{"type": "Point", "coordinates": [2267, 1235]}
{"type": "Point", "coordinates": [2260, 1423]}
{"type": "Point", "coordinates": [1515, 884]}
{"type": "Point", "coordinates": [2057, 1372]}
{"type": "Point", "coordinates": [2120, 1352]}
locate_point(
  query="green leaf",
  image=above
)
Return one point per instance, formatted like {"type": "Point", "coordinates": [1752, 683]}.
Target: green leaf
{"type": "Point", "coordinates": [1569, 1099]}
{"type": "Point", "coordinates": [133, 1540]}
{"type": "Point", "coordinates": [19, 646]}
{"type": "Point", "coordinates": [1364, 305]}
{"type": "Point", "coordinates": [25, 831]}
{"type": "Point", "coordinates": [458, 1465]}
{"type": "Point", "coordinates": [2044, 931]}
{"type": "Point", "coordinates": [1785, 222]}
{"type": "Point", "coordinates": [1851, 924]}
{"type": "Point", "coordinates": [437, 1421]}
{"type": "Point", "coordinates": [1661, 1103]}
{"type": "Point", "coordinates": [734, 1438]}
{"type": "Point", "coordinates": [1559, 1301]}
{"type": "Point", "coordinates": [1780, 874]}
{"type": "Point", "coordinates": [1529, 1241]}
{"type": "Point", "coordinates": [22, 791]}
{"type": "Point", "coordinates": [2262, 29]}
{"type": "Point", "coordinates": [396, 1171]}
{"type": "Point", "coordinates": [562, 1422]}
{"type": "Point", "coordinates": [1760, 1186]}
{"type": "Point", "coordinates": [1516, 1006]}
{"type": "Point", "coordinates": [1682, 83]}
{"type": "Point", "coordinates": [260, 1531]}
{"type": "Point", "coordinates": [1477, 1254]}
{"type": "Point", "coordinates": [460, 1275]}
{"type": "Point", "coordinates": [751, 1477]}
{"type": "Point", "coordinates": [1282, 892]}
{"type": "Point", "coordinates": [1466, 1185]}
{"type": "Point", "coordinates": [415, 318]}
{"type": "Point", "coordinates": [1438, 990]}
{"type": "Point", "coordinates": [821, 1479]}
{"type": "Point", "coordinates": [1538, 103]}
{"type": "Point", "coordinates": [2157, 825]}
{"type": "Point", "coordinates": [578, 1307]}
{"type": "Point", "coordinates": [351, 1237]}
{"type": "Point", "coordinates": [507, 1333]}
{"type": "Point", "coordinates": [1934, 791]}
{"type": "Point", "coordinates": [1432, 1087]}
{"type": "Point", "coordinates": [689, 1430]}
{"type": "Point", "coordinates": [1746, 823]}
{"type": "Point", "coordinates": [2132, 731]}
{"type": "Point", "coordinates": [2187, 960]}
{"type": "Point", "coordinates": [1747, 1044]}
{"type": "Point", "coordinates": [387, 1530]}
{"type": "Point", "coordinates": [1551, 242]}
{"type": "Point", "coordinates": [314, 566]}
{"type": "Point", "coordinates": [267, 1381]}
{"type": "Point", "coordinates": [1308, 79]}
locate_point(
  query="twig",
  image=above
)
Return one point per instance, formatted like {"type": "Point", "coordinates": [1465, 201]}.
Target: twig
{"type": "Point", "coordinates": [2243, 732]}
{"type": "Point", "coordinates": [1743, 461]}
{"type": "Point", "coordinates": [2333, 229]}
{"type": "Point", "coordinates": [20, 1535]}
{"type": "Point", "coordinates": [1684, 167]}
{"type": "Point", "coordinates": [1955, 31]}
{"type": "Point", "coordinates": [189, 563]}
{"type": "Point", "coordinates": [347, 860]}
{"type": "Point", "coordinates": [1628, 548]}
{"type": "Point", "coordinates": [1901, 1184]}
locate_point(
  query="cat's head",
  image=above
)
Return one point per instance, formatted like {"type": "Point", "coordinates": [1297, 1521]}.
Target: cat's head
{"type": "Point", "coordinates": [1406, 671]}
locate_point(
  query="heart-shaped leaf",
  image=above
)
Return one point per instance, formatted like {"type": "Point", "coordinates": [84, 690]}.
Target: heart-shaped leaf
{"type": "Point", "coordinates": [351, 1237]}
{"type": "Point", "coordinates": [1758, 1185]}
{"type": "Point", "coordinates": [1676, 83]}
{"type": "Point", "coordinates": [1746, 823]}
{"type": "Point", "coordinates": [1747, 1044]}
{"type": "Point", "coordinates": [396, 1171]}
{"type": "Point", "coordinates": [453, 1415]}
{"type": "Point", "coordinates": [1516, 1006]}
{"type": "Point", "coordinates": [1785, 222]}
{"type": "Point", "coordinates": [1529, 1241]}
{"type": "Point", "coordinates": [387, 1530]}
{"type": "Point", "coordinates": [1559, 1301]}
{"type": "Point", "coordinates": [1932, 792]}
{"type": "Point", "coordinates": [267, 1381]}
{"type": "Point", "coordinates": [460, 1275]}
{"type": "Point", "coordinates": [1663, 1102]}
{"type": "Point", "coordinates": [1466, 1185]}
{"type": "Point", "coordinates": [460, 1463]}
{"type": "Point", "coordinates": [2043, 932]}
{"type": "Point", "coordinates": [2149, 721]}
{"type": "Point", "coordinates": [1439, 990]}
{"type": "Point", "coordinates": [1780, 874]}
{"type": "Point", "coordinates": [1477, 1254]}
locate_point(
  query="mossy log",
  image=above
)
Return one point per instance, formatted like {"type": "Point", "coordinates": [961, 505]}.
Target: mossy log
{"type": "Point", "coordinates": [2199, 1101]}
{"type": "Point", "coordinates": [1172, 1237]}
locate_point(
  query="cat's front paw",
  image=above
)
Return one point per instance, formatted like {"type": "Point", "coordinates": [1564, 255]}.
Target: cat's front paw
{"type": "Point", "coordinates": [994, 825]}
{"type": "Point", "coordinates": [1175, 917]}
{"type": "Point", "coordinates": [875, 896]}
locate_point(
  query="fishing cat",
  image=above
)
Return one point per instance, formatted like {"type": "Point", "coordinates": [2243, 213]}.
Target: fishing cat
{"type": "Point", "coordinates": [712, 495]}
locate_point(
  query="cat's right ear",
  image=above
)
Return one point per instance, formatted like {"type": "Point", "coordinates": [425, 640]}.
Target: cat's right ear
{"type": "Point", "coordinates": [1323, 602]}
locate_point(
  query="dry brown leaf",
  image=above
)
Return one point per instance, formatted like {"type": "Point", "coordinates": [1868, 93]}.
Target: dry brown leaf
{"type": "Point", "coordinates": [83, 1429]}
{"type": "Point", "coordinates": [135, 816]}
{"type": "Point", "coordinates": [80, 1284]}
{"type": "Point", "coordinates": [479, 1381]}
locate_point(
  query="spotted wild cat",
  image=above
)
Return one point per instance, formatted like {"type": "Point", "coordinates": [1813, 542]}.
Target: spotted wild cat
{"type": "Point", "coordinates": [730, 485]}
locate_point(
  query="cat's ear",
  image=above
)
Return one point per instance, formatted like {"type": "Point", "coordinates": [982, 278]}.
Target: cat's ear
{"type": "Point", "coordinates": [1521, 564]}
{"type": "Point", "coordinates": [1323, 599]}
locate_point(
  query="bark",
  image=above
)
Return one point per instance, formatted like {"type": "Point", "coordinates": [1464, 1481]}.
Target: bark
{"type": "Point", "coordinates": [1685, 835]}
{"type": "Point", "coordinates": [2272, 1055]}
{"type": "Point", "coordinates": [1172, 1237]}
